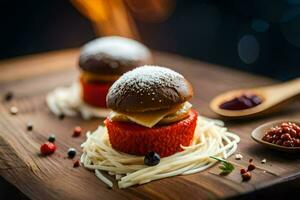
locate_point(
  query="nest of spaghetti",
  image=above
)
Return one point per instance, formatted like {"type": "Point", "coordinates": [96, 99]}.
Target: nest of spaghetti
{"type": "Point", "coordinates": [210, 139]}
{"type": "Point", "coordinates": [151, 113]}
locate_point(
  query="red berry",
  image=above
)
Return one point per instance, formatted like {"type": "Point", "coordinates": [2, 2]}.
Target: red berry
{"type": "Point", "coordinates": [246, 176]}
{"type": "Point", "coordinates": [250, 160]}
{"type": "Point", "coordinates": [243, 171]}
{"type": "Point", "coordinates": [76, 163]}
{"type": "Point", "coordinates": [251, 167]}
{"type": "Point", "coordinates": [47, 148]}
{"type": "Point", "coordinates": [77, 131]}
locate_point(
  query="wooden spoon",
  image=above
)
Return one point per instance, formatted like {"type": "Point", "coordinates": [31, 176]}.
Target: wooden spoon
{"type": "Point", "coordinates": [260, 131]}
{"type": "Point", "coordinates": [272, 96]}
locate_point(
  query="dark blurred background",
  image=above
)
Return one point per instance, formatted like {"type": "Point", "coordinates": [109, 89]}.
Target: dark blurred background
{"type": "Point", "coordinates": [259, 36]}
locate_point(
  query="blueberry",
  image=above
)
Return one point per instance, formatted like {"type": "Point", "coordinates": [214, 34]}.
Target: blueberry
{"type": "Point", "coordinates": [151, 159]}
{"type": "Point", "coordinates": [61, 116]}
{"type": "Point", "coordinates": [29, 126]}
{"type": "Point", "coordinates": [71, 152]}
{"type": "Point", "coordinates": [51, 138]}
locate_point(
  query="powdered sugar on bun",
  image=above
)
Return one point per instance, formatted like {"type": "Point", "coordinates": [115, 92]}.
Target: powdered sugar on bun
{"type": "Point", "coordinates": [117, 48]}
{"type": "Point", "coordinates": [113, 55]}
{"type": "Point", "coordinates": [148, 88]}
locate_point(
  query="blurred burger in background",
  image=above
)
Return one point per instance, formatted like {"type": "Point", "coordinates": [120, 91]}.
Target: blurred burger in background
{"type": "Point", "coordinates": [104, 60]}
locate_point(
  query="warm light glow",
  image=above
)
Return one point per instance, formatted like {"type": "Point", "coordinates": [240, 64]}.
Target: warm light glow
{"type": "Point", "coordinates": [151, 10]}
{"type": "Point", "coordinates": [114, 17]}
{"type": "Point", "coordinates": [109, 17]}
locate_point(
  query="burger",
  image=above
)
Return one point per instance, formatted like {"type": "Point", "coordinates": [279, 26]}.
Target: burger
{"type": "Point", "coordinates": [104, 60]}
{"type": "Point", "coordinates": [150, 112]}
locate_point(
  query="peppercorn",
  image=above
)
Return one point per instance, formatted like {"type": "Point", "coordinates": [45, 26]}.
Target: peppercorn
{"type": "Point", "coordinates": [29, 126]}
{"type": "Point", "coordinates": [51, 138]}
{"type": "Point", "coordinates": [296, 142]}
{"type": "Point", "coordinates": [251, 167]}
{"type": "Point", "coordinates": [286, 129]}
{"type": "Point", "coordinates": [76, 164]}
{"type": "Point", "coordinates": [71, 152]}
{"type": "Point", "coordinates": [287, 143]}
{"type": "Point", "coordinates": [285, 136]}
{"type": "Point", "coordinates": [47, 148]}
{"type": "Point", "coordinates": [243, 171]}
{"type": "Point", "coordinates": [8, 96]}
{"type": "Point", "coordinates": [279, 142]}
{"type": "Point", "coordinates": [77, 131]}
{"type": "Point", "coordinates": [246, 176]}
{"type": "Point", "coordinates": [151, 159]}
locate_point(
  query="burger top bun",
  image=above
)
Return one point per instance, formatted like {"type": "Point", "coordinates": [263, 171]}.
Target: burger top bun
{"type": "Point", "coordinates": [148, 88]}
{"type": "Point", "coordinates": [113, 55]}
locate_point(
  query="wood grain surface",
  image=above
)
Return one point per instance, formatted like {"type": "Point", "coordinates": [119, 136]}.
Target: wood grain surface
{"type": "Point", "coordinates": [53, 177]}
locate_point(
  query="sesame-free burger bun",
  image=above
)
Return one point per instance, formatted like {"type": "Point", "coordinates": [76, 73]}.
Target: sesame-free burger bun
{"type": "Point", "coordinates": [113, 55]}
{"type": "Point", "coordinates": [148, 88]}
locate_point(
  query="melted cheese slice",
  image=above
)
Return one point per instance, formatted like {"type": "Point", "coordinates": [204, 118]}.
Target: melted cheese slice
{"type": "Point", "coordinates": [151, 118]}
{"type": "Point", "coordinates": [96, 77]}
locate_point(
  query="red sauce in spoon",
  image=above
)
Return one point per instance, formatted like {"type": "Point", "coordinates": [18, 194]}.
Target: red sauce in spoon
{"type": "Point", "coordinates": [242, 102]}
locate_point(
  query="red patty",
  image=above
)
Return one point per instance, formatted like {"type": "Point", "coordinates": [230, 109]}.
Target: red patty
{"type": "Point", "coordinates": [94, 93]}
{"type": "Point", "coordinates": [165, 140]}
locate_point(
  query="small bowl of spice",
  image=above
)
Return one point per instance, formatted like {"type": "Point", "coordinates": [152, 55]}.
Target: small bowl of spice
{"type": "Point", "coordinates": [281, 135]}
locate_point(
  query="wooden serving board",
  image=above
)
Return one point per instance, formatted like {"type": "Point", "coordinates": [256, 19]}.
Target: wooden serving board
{"type": "Point", "coordinates": [54, 177]}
